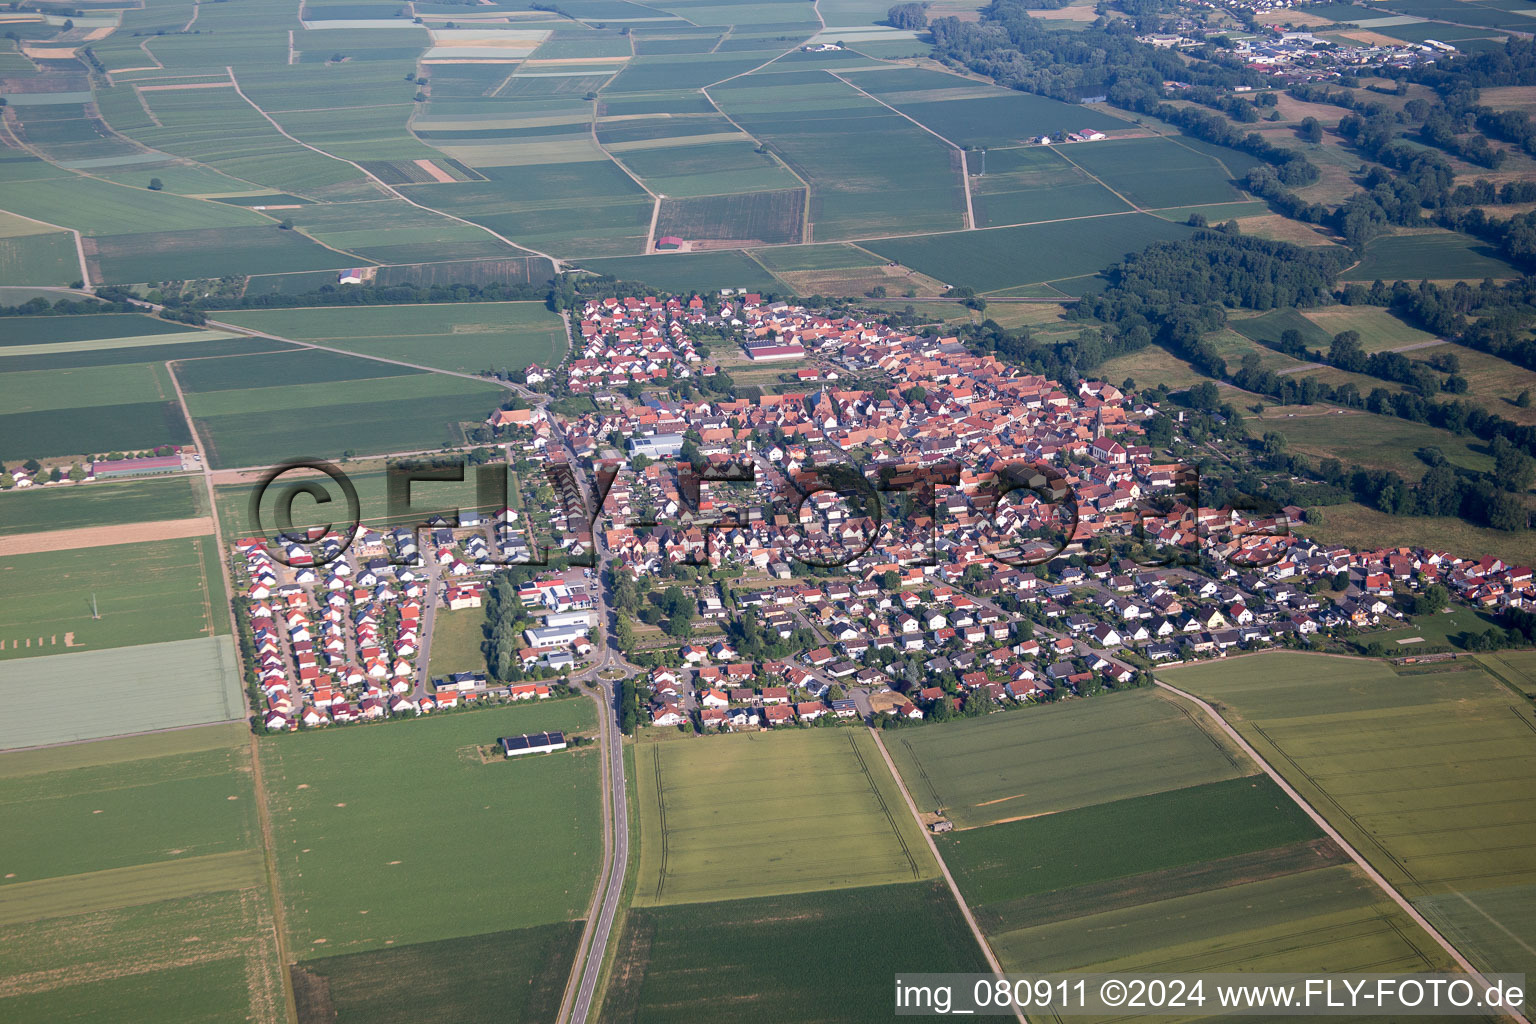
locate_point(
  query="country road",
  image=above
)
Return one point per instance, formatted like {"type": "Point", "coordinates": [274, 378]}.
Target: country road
{"type": "Point", "coordinates": [933, 848]}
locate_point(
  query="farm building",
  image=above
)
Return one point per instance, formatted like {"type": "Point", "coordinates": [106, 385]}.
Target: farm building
{"type": "Point", "coordinates": [668, 243]}
{"type": "Point", "coordinates": [352, 276]}
{"type": "Point", "coordinates": [657, 446]}
{"type": "Point", "coordinates": [136, 467]}
{"type": "Point", "coordinates": [532, 743]}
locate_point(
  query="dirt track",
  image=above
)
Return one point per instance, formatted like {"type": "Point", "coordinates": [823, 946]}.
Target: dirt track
{"type": "Point", "coordinates": [103, 536]}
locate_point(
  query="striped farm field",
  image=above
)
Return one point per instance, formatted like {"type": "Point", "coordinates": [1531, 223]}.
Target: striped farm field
{"type": "Point", "coordinates": [135, 875]}
{"type": "Point", "coordinates": [336, 810]}
{"type": "Point", "coordinates": [998, 768]}
{"type": "Point", "coordinates": [771, 813]}
{"type": "Point", "coordinates": [466, 338]}
{"type": "Point", "coordinates": [103, 503]}
{"type": "Point", "coordinates": [145, 593]}
{"type": "Point", "coordinates": [1426, 770]}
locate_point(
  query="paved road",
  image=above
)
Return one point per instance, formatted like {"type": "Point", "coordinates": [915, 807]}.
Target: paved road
{"type": "Point", "coordinates": [588, 967]}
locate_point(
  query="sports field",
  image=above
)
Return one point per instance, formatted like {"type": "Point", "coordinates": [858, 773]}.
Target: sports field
{"type": "Point", "coordinates": [135, 877]}
{"type": "Point", "coordinates": [824, 956]}
{"type": "Point", "coordinates": [465, 338]}
{"type": "Point", "coordinates": [1004, 767]}
{"type": "Point", "coordinates": [411, 821]}
{"type": "Point", "coordinates": [770, 813]}
{"type": "Point", "coordinates": [1427, 772]}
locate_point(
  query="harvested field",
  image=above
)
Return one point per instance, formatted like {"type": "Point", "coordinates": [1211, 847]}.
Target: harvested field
{"type": "Point", "coordinates": [105, 536]}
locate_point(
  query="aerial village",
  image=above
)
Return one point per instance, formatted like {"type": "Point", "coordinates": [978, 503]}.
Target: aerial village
{"type": "Point", "coordinates": [770, 594]}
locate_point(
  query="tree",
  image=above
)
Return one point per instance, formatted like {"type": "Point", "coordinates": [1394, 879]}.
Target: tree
{"type": "Point", "coordinates": [910, 16]}
{"type": "Point", "coordinates": [1511, 466]}
{"type": "Point", "coordinates": [1523, 400]}
{"type": "Point", "coordinates": [155, 184]}
{"type": "Point", "coordinates": [286, 225]}
{"type": "Point", "coordinates": [77, 472]}
{"type": "Point", "coordinates": [1311, 130]}
{"type": "Point", "coordinates": [1434, 599]}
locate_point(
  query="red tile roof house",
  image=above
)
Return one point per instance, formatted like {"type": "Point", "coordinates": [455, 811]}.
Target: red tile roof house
{"type": "Point", "coordinates": [778, 715]}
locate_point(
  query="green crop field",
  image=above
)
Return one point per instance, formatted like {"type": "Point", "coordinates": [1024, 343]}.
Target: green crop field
{"type": "Point", "coordinates": [769, 218]}
{"type": "Point", "coordinates": [688, 272]}
{"type": "Point", "coordinates": [329, 431]}
{"type": "Point", "coordinates": [514, 976]}
{"type": "Point", "coordinates": [45, 259]}
{"type": "Point", "coordinates": [1154, 173]}
{"type": "Point", "coordinates": [334, 403]}
{"type": "Point", "coordinates": [372, 495]}
{"type": "Point", "coordinates": [342, 811]}
{"type": "Point", "coordinates": [119, 691]}
{"type": "Point", "coordinates": [209, 252]}
{"type": "Point", "coordinates": [1516, 668]}
{"type": "Point", "coordinates": [98, 207]}
{"type": "Point", "coordinates": [459, 337]}
{"type": "Point", "coordinates": [771, 813]}
{"type": "Point", "coordinates": [120, 351]}
{"type": "Point", "coordinates": [1369, 439]}
{"type": "Point", "coordinates": [1425, 772]}
{"type": "Point", "coordinates": [37, 390]}
{"type": "Point", "coordinates": [1020, 186]}
{"type": "Point", "coordinates": [84, 430]}
{"type": "Point", "coordinates": [871, 171]}
{"type": "Point", "coordinates": [187, 960]}
{"type": "Point", "coordinates": [1326, 919]}
{"type": "Point", "coordinates": [705, 168]}
{"type": "Point", "coordinates": [1212, 875]}
{"type": "Point", "coordinates": [38, 330]}
{"type": "Point", "coordinates": [821, 956]}
{"type": "Point", "coordinates": [145, 593]}
{"type": "Point", "coordinates": [300, 367]}
{"type": "Point", "coordinates": [1379, 330]}
{"type": "Point", "coordinates": [1181, 826]}
{"type": "Point", "coordinates": [1001, 767]}
{"type": "Point", "coordinates": [135, 877]}
{"type": "Point", "coordinates": [103, 503]}
{"type": "Point", "coordinates": [1433, 255]}
{"type": "Point", "coordinates": [815, 257]}
{"type": "Point", "coordinates": [1003, 257]}
{"type": "Point", "coordinates": [119, 813]}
